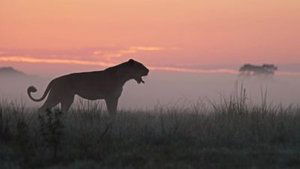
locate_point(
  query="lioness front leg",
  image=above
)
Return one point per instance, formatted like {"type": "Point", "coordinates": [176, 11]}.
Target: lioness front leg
{"type": "Point", "coordinates": [112, 104]}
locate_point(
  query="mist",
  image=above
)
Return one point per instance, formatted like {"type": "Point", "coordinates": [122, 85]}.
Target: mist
{"type": "Point", "coordinates": [185, 89]}
{"type": "Point", "coordinates": [169, 89]}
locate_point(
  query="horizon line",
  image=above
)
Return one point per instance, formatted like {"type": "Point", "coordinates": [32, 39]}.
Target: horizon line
{"type": "Point", "coordinates": [33, 60]}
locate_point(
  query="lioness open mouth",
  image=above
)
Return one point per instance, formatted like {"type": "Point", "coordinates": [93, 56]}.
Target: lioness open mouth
{"type": "Point", "coordinates": [139, 80]}
{"type": "Point", "coordinates": [139, 77]}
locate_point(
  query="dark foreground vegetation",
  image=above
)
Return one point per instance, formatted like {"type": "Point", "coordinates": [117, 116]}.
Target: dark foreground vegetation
{"type": "Point", "coordinates": [229, 135]}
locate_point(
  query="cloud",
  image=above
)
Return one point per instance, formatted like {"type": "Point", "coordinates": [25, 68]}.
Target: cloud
{"type": "Point", "coordinates": [188, 70]}
{"type": "Point", "coordinates": [24, 59]}
{"type": "Point", "coordinates": [146, 48]}
{"type": "Point", "coordinates": [104, 57]}
{"type": "Point", "coordinates": [115, 55]}
{"type": "Point", "coordinates": [34, 60]}
{"type": "Point", "coordinates": [87, 56]}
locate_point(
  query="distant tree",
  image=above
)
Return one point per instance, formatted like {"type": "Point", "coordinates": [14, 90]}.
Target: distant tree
{"type": "Point", "coordinates": [265, 69]}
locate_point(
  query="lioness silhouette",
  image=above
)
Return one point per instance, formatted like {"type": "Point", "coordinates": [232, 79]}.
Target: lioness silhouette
{"type": "Point", "coordinates": [106, 84]}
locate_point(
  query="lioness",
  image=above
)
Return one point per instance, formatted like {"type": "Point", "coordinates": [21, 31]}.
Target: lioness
{"type": "Point", "coordinates": [107, 84]}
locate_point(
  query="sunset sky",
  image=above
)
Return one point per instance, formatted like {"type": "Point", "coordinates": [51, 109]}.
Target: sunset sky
{"type": "Point", "coordinates": [163, 34]}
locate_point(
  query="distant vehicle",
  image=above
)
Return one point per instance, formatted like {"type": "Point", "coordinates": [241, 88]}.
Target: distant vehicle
{"type": "Point", "coordinates": [252, 70]}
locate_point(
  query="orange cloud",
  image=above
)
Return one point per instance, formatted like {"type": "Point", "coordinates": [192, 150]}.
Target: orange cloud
{"type": "Point", "coordinates": [34, 60]}
{"type": "Point", "coordinates": [175, 69]}
{"type": "Point", "coordinates": [24, 59]}
{"type": "Point", "coordinates": [112, 55]}
{"type": "Point", "coordinates": [146, 48]}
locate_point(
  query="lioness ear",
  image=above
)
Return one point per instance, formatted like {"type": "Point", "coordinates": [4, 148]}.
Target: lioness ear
{"type": "Point", "coordinates": [131, 61]}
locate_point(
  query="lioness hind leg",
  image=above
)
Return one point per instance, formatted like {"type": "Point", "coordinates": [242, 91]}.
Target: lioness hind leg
{"type": "Point", "coordinates": [49, 103]}
{"type": "Point", "coordinates": [66, 103]}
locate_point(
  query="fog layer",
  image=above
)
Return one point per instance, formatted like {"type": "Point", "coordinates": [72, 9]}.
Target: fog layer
{"type": "Point", "coordinates": [174, 89]}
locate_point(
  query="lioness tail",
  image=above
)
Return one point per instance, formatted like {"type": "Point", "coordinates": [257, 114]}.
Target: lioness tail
{"type": "Point", "coordinates": [32, 89]}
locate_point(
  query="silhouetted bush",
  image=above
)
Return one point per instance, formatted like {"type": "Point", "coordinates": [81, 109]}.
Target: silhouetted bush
{"type": "Point", "coordinates": [51, 129]}
{"type": "Point", "coordinates": [5, 131]}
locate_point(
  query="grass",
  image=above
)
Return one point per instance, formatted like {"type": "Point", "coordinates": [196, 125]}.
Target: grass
{"type": "Point", "coordinates": [230, 134]}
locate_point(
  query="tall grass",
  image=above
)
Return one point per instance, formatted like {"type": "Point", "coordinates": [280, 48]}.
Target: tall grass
{"type": "Point", "coordinates": [230, 134]}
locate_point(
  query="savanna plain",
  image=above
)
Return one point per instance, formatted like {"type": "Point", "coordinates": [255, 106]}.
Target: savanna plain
{"type": "Point", "coordinates": [237, 131]}
{"type": "Point", "coordinates": [230, 134]}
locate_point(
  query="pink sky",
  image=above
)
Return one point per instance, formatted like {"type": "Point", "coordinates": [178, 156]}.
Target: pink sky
{"type": "Point", "coordinates": [155, 32]}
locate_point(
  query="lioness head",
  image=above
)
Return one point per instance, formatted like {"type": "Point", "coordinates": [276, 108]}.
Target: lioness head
{"type": "Point", "coordinates": [136, 70]}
